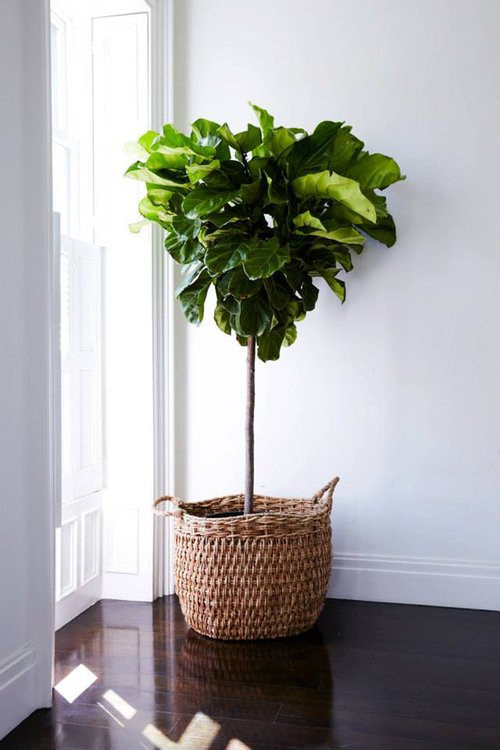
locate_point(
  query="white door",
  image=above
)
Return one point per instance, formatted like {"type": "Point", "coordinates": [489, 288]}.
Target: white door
{"type": "Point", "coordinates": [78, 540]}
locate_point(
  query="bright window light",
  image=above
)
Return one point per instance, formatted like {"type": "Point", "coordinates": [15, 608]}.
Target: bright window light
{"type": "Point", "coordinates": [75, 683]}
{"type": "Point", "coordinates": [237, 745]}
{"type": "Point", "coordinates": [119, 704]}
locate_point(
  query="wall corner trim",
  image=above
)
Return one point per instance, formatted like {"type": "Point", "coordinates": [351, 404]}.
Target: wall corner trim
{"type": "Point", "coordinates": [470, 584]}
{"type": "Point", "coordinates": [18, 678]}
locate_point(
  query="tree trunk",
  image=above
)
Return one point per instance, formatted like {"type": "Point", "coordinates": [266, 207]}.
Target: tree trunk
{"type": "Point", "coordinates": [249, 427]}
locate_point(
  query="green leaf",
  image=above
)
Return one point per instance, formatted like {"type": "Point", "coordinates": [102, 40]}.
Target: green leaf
{"type": "Point", "coordinates": [344, 258]}
{"type": "Point", "coordinates": [226, 253]}
{"type": "Point", "coordinates": [266, 121]}
{"type": "Point", "coordinates": [264, 257]}
{"type": "Point", "coordinates": [335, 284]}
{"type": "Point", "coordinates": [306, 219]}
{"type": "Point", "coordinates": [249, 139]}
{"type": "Point", "coordinates": [269, 344]}
{"type": "Point", "coordinates": [309, 294]}
{"type": "Point", "coordinates": [133, 148]}
{"type": "Point", "coordinates": [237, 284]}
{"type": "Point", "coordinates": [198, 172]}
{"type": "Point", "coordinates": [185, 228]}
{"type": "Point", "coordinates": [333, 185]}
{"type": "Point", "coordinates": [312, 153]}
{"type": "Point", "coordinates": [204, 200]}
{"type": "Point", "coordinates": [349, 235]}
{"type": "Point", "coordinates": [221, 317]}
{"type": "Point", "coordinates": [147, 140]}
{"type": "Point", "coordinates": [159, 196]}
{"type": "Point", "coordinates": [345, 148]}
{"type": "Point", "coordinates": [229, 215]}
{"type": "Point", "coordinates": [155, 213]}
{"type": "Point", "coordinates": [294, 275]}
{"type": "Point", "coordinates": [136, 227]}
{"type": "Point", "coordinates": [138, 172]}
{"type": "Point", "coordinates": [384, 230]}
{"type": "Point", "coordinates": [181, 250]}
{"type": "Point", "coordinates": [375, 171]}
{"type": "Point", "coordinates": [172, 141]}
{"type": "Point", "coordinates": [192, 298]}
{"type": "Point", "coordinates": [278, 290]}
{"type": "Point", "coordinates": [251, 191]}
{"type": "Point", "coordinates": [205, 132]}
{"type": "Point", "coordinates": [279, 140]}
{"type": "Point", "coordinates": [290, 335]}
{"type": "Point", "coordinates": [191, 272]}
{"type": "Point", "coordinates": [254, 317]}
{"type": "Point", "coordinates": [225, 133]}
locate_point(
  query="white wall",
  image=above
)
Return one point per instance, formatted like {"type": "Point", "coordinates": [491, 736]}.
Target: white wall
{"type": "Point", "coordinates": [25, 514]}
{"type": "Point", "coordinates": [397, 391]}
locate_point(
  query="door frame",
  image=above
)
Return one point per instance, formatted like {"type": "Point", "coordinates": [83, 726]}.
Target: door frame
{"type": "Point", "coordinates": [161, 83]}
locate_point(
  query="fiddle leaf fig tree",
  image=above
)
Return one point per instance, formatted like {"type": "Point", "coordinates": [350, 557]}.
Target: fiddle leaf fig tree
{"type": "Point", "coordinates": [259, 215]}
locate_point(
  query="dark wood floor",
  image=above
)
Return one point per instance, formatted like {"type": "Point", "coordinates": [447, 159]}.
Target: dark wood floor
{"type": "Point", "coordinates": [368, 676]}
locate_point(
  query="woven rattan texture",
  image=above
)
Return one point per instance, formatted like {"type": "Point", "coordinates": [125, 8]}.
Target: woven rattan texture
{"type": "Point", "coordinates": [259, 576]}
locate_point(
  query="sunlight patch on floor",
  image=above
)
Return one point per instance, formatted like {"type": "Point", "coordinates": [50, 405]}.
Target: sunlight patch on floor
{"type": "Point", "coordinates": [75, 683]}
{"type": "Point", "coordinates": [119, 704]}
{"type": "Point", "coordinates": [201, 728]}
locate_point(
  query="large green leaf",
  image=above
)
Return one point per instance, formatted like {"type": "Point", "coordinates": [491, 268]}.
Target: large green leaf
{"type": "Point", "coordinates": [278, 290]}
{"type": "Point", "coordinates": [333, 185]}
{"type": "Point", "coordinates": [155, 213]}
{"type": "Point", "coordinates": [290, 335]}
{"type": "Point", "coordinates": [222, 318]}
{"type": "Point", "coordinates": [336, 285]}
{"type": "Point", "coordinates": [312, 153]}
{"type": "Point", "coordinates": [344, 150]}
{"type": "Point", "coordinates": [198, 172]}
{"type": "Point", "coordinates": [226, 253]}
{"type": "Point", "coordinates": [269, 344]}
{"type": "Point", "coordinates": [306, 219]}
{"type": "Point", "coordinates": [279, 140]}
{"type": "Point", "coordinates": [192, 298]}
{"type": "Point", "coordinates": [309, 294]}
{"type": "Point", "coordinates": [384, 230]}
{"type": "Point", "coordinates": [249, 139]}
{"type": "Point", "coordinates": [237, 284]}
{"type": "Point", "coordinates": [181, 249]}
{"type": "Point", "coordinates": [138, 172]}
{"type": "Point", "coordinates": [349, 235]}
{"type": "Point", "coordinates": [264, 257]}
{"type": "Point", "coordinates": [204, 200]}
{"type": "Point", "coordinates": [266, 121]}
{"type": "Point", "coordinates": [255, 316]}
{"type": "Point", "coordinates": [375, 171]}
{"type": "Point", "coordinates": [191, 271]}
{"type": "Point", "coordinates": [185, 228]}
{"type": "Point", "coordinates": [147, 140]}
{"type": "Point", "coordinates": [243, 142]}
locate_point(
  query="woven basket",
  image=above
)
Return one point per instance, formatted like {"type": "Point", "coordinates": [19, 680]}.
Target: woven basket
{"type": "Point", "coordinates": [262, 575]}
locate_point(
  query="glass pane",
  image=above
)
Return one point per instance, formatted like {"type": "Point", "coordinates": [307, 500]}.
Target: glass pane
{"type": "Point", "coordinates": [58, 75]}
{"type": "Point", "coordinates": [61, 181]}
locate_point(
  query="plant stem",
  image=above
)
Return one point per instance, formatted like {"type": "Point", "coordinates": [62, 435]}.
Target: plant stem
{"type": "Point", "coordinates": [249, 427]}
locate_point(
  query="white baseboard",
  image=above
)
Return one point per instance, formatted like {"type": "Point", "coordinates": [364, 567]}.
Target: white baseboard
{"type": "Point", "coordinates": [467, 584]}
{"type": "Point", "coordinates": [18, 688]}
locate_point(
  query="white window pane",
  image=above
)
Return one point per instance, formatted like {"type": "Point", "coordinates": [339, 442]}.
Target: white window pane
{"type": "Point", "coordinates": [59, 65]}
{"type": "Point", "coordinates": [61, 180]}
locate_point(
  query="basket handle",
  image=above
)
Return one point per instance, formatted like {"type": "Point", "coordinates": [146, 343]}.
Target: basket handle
{"type": "Point", "coordinates": [328, 488]}
{"type": "Point", "coordinates": [167, 499]}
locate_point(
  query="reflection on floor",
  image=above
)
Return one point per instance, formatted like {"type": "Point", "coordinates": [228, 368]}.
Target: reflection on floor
{"type": "Point", "coordinates": [368, 676]}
